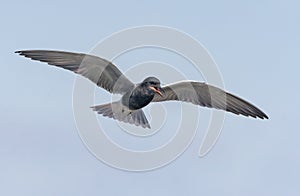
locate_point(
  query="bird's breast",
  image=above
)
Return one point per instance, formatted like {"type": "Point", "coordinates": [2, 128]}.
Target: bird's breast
{"type": "Point", "coordinates": [137, 99]}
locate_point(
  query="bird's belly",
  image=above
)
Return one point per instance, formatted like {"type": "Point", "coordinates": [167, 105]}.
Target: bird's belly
{"type": "Point", "coordinates": [139, 101]}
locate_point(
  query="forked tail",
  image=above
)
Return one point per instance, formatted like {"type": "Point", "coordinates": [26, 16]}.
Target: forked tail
{"type": "Point", "coordinates": [120, 112]}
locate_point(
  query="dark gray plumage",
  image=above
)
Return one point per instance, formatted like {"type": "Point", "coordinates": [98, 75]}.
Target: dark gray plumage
{"type": "Point", "coordinates": [209, 96]}
{"type": "Point", "coordinates": [136, 96]}
{"type": "Point", "coordinates": [98, 70]}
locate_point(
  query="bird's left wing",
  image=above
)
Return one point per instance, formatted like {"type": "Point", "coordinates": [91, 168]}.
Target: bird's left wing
{"type": "Point", "coordinates": [208, 96]}
{"type": "Point", "coordinates": [98, 70]}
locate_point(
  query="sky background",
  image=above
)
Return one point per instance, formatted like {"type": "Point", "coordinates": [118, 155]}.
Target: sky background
{"type": "Point", "coordinates": [256, 46]}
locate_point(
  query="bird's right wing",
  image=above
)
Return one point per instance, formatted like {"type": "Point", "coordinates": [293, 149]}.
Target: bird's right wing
{"type": "Point", "coordinates": [98, 70]}
{"type": "Point", "coordinates": [208, 96]}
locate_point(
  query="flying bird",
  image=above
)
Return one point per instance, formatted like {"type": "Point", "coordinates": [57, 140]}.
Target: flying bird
{"type": "Point", "coordinates": [136, 96]}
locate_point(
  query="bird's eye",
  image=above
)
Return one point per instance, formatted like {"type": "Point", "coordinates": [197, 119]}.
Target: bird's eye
{"type": "Point", "coordinates": [152, 83]}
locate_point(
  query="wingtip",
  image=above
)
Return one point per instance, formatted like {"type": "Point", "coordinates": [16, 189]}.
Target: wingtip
{"type": "Point", "coordinates": [263, 117]}
{"type": "Point", "coordinates": [20, 52]}
{"type": "Point", "coordinates": [148, 126]}
{"type": "Point", "coordinates": [23, 52]}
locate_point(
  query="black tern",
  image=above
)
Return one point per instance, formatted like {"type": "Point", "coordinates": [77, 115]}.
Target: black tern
{"type": "Point", "coordinates": [136, 96]}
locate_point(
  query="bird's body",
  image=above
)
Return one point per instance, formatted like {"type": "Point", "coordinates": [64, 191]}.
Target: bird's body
{"type": "Point", "coordinates": [137, 99]}
{"type": "Point", "coordinates": [141, 95]}
{"type": "Point", "coordinates": [137, 96]}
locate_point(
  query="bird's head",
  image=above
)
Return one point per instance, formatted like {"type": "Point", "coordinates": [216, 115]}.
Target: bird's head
{"type": "Point", "coordinates": [153, 84]}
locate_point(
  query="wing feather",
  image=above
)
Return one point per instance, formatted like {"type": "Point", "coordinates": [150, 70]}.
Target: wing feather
{"type": "Point", "coordinates": [98, 70]}
{"type": "Point", "coordinates": [209, 96]}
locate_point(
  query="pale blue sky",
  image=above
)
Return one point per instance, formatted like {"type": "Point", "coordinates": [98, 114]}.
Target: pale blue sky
{"type": "Point", "coordinates": [255, 45]}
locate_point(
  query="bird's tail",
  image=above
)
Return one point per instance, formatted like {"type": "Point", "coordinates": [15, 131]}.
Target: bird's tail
{"type": "Point", "coordinates": [119, 112]}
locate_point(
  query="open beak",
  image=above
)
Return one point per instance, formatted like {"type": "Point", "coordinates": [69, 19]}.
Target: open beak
{"type": "Point", "coordinates": [158, 90]}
